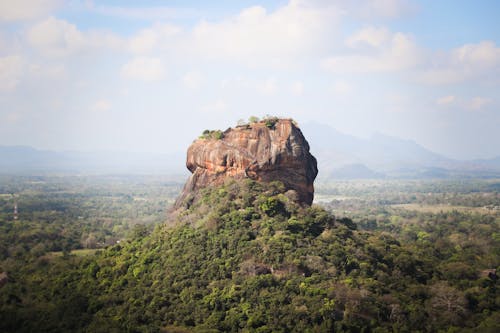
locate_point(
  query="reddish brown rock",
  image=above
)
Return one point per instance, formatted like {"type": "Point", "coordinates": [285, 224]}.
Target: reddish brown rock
{"type": "Point", "coordinates": [259, 151]}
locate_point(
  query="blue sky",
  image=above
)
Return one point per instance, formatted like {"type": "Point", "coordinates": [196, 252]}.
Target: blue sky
{"type": "Point", "coordinates": [152, 75]}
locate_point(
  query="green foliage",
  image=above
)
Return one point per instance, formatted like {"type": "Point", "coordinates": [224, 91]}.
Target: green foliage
{"type": "Point", "coordinates": [215, 134]}
{"type": "Point", "coordinates": [272, 206]}
{"type": "Point", "coordinates": [348, 223]}
{"type": "Point", "coordinates": [270, 121]}
{"type": "Point", "coordinates": [246, 258]}
{"type": "Point", "coordinates": [64, 214]}
{"type": "Point", "coordinates": [253, 119]}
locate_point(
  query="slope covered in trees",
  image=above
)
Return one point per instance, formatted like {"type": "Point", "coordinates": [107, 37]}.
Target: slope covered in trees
{"type": "Point", "coordinates": [247, 258]}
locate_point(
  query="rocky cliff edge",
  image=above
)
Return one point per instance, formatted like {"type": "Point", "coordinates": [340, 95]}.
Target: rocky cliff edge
{"type": "Point", "coordinates": [270, 150]}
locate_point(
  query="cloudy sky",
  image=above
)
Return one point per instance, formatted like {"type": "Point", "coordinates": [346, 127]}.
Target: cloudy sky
{"type": "Point", "coordinates": [151, 75]}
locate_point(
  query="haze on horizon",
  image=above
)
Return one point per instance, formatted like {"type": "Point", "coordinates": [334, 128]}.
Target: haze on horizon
{"type": "Point", "coordinates": [150, 76]}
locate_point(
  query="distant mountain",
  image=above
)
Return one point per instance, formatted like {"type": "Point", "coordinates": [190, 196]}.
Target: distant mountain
{"type": "Point", "coordinates": [356, 171]}
{"type": "Point", "coordinates": [339, 155]}
{"type": "Point", "coordinates": [27, 160]}
{"type": "Point", "coordinates": [493, 163]}
{"type": "Point", "coordinates": [344, 156]}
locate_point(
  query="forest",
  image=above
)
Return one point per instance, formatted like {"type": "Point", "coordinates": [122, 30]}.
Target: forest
{"type": "Point", "coordinates": [101, 254]}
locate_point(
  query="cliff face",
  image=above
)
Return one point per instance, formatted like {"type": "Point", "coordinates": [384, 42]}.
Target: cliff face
{"type": "Point", "coordinates": [257, 151]}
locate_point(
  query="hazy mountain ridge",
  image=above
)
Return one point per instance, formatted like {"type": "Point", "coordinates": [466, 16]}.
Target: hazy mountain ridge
{"type": "Point", "coordinates": [492, 162]}
{"type": "Point", "coordinates": [25, 159]}
{"type": "Point", "coordinates": [386, 156]}
{"type": "Point", "coordinates": [339, 155]}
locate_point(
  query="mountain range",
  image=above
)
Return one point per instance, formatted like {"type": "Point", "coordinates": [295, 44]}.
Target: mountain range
{"type": "Point", "coordinates": [380, 156]}
{"type": "Point", "coordinates": [339, 155]}
{"type": "Point", "coordinates": [28, 160]}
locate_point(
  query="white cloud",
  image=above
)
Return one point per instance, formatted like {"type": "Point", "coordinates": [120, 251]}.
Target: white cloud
{"type": "Point", "coordinates": [446, 100]}
{"type": "Point", "coordinates": [484, 54]}
{"type": "Point", "coordinates": [470, 104]}
{"type": "Point", "coordinates": [268, 87]}
{"type": "Point", "coordinates": [478, 103]}
{"type": "Point", "coordinates": [371, 36]}
{"type": "Point", "coordinates": [144, 41]}
{"type": "Point", "coordinates": [55, 37]}
{"type": "Point", "coordinates": [101, 105]}
{"type": "Point", "coordinates": [297, 88]}
{"type": "Point", "coordinates": [11, 69]}
{"type": "Point", "coordinates": [58, 38]}
{"type": "Point", "coordinates": [389, 53]}
{"type": "Point", "coordinates": [470, 61]}
{"type": "Point", "coordinates": [49, 71]}
{"type": "Point", "coordinates": [373, 49]}
{"type": "Point", "coordinates": [376, 49]}
{"type": "Point", "coordinates": [18, 10]}
{"type": "Point", "coordinates": [147, 40]}
{"type": "Point", "coordinates": [144, 69]}
{"type": "Point", "coordinates": [192, 80]}
{"type": "Point", "coordinates": [256, 37]}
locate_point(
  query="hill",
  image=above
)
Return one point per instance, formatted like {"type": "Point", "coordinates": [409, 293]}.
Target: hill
{"type": "Point", "coordinates": [248, 255]}
{"type": "Point", "coordinates": [247, 258]}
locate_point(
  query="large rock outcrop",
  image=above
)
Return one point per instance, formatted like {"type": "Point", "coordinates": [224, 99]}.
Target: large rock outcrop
{"type": "Point", "coordinates": [263, 151]}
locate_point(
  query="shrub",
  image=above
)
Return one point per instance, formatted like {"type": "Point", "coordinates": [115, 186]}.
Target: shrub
{"type": "Point", "coordinates": [272, 206]}
{"type": "Point", "coordinates": [253, 119]}
{"type": "Point", "coordinates": [271, 122]}
{"type": "Point", "coordinates": [207, 134]}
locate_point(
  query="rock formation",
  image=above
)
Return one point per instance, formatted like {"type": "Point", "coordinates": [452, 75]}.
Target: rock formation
{"type": "Point", "coordinates": [269, 150]}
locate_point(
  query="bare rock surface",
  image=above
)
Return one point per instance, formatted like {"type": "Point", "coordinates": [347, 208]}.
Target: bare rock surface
{"type": "Point", "coordinates": [262, 151]}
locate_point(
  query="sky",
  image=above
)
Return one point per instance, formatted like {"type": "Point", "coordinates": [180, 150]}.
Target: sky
{"type": "Point", "coordinates": [150, 76]}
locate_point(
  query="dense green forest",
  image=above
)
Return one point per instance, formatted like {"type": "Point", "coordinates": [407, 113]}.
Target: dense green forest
{"type": "Point", "coordinates": [374, 257]}
{"type": "Point", "coordinates": [69, 213]}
